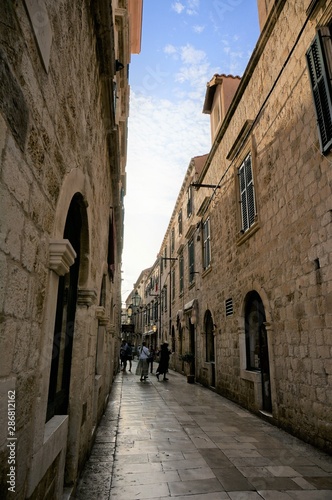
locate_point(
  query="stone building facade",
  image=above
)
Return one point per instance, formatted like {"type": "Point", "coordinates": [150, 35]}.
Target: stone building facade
{"type": "Point", "coordinates": [251, 291]}
{"type": "Point", "coordinates": [64, 99]}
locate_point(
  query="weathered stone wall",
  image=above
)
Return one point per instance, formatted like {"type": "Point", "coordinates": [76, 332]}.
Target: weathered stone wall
{"type": "Point", "coordinates": [287, 256]}
{"type": "Point", "coordinates": [279, 261]}
{"type": "Point", "coordinates": [53, 144]}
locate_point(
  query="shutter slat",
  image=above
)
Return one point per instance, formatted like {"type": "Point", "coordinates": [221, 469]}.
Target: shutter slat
{"type": "Point", "coordinates": [320, 87]}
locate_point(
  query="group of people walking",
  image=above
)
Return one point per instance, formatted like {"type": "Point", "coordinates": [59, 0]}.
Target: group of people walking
{"type": "Point", "coordinates": [146, 358]}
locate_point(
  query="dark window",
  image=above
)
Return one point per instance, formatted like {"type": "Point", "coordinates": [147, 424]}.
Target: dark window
{"type": "Point", "coordinates": [155, 311]}
{"type": "Point", "coordinates": [172, 240]}
{"type": "Point", "coordinates": [247, 194]}
{"type": "Point", "coordinates": [191, 259]}
{"type": "Point", "coordinates": [173, 284]}
{"type": "Point", "coordinates": [181, 266]}
{"type": "Point", "coordinates": [206, 244]}
{"type": "Point", "coordinates": [58, 395]}
{"type": "Point", "coordinates": [165, 298]}
{"type": "Point", "coordinates": [254, 324]}
{"type": "Point", "coordinates": [180, 222]}
{"type": "Point", "coordinates": [320, 87]}
{"type": "Point", "coordinates": [189, 202]}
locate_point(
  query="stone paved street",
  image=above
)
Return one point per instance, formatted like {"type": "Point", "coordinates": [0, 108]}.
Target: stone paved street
{"type": "Point", "coordinates": [173, 439]}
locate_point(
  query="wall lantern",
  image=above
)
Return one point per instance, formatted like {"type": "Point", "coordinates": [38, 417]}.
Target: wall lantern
{"type": "Point", "coordinates": [136, 299]}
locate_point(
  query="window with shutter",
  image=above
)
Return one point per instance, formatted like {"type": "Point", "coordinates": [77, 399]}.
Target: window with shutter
{"type": "Point", "coordinates": [321, 91]}
{"type": "Point", "coordinates": [189, 202]}
{"type": "Point", "coordinates": [206, 244]}
{"type": "Point", "coordinates": [247, 194]}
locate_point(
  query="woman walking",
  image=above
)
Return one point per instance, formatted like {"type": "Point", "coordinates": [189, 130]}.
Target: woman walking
{"type": "Point", "coordinates": [143, 367]}
{"type": "Point", "coordinates": [164, 361]}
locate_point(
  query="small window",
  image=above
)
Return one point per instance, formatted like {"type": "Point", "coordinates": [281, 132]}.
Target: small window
{"type": "Point", "coordinates": [173, 284]}
{"type": "Point", "coordinates": [172, 240]}
{"type": "Point", "coordinates": [189, 202]}
{"type": "Point", "coordinates": [247, 194]}
{"type": "Point", "coordinates": [191, 260]}
{"type": "Point", "coordinates": [180, 222]}
{"type": "Point", "coordinates": [206, 244]}
{"type": "Point", "coordinates": [181, 266]}
{"type": "Point", "coordinates": [229, 307]}
{"type": "Point", "coordinates": [320, 86]}
{"type": "Point", "coordinates": [165, 298]}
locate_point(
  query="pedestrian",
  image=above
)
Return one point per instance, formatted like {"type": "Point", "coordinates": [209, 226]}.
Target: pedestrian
{"type": "Point", "coordinates": [164, 361]}
{"type": "Point", "coordinates": [123, 355]}
{"type": "Point", "coordinates": [129, 353]}
{"type": "Point", "coordinates": [142, 366]}
{"type": "Point", "coordinates": [151, 358]}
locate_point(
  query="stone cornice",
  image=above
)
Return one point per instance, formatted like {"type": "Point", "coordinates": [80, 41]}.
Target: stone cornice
{"type": "Point", "coordinates": [86, 296]}
{"type": "Point", "coordinates": [61, 256]}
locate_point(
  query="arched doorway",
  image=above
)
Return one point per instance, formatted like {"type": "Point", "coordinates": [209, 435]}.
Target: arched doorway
{"type": "Point", "coordinates": [173, 339]}
{"type": "Point", "coordinates": [257, 344]}
{"type": "Point", "coordinates": [209, 345]}
{"type": "Point", "coordinates": [58, 393]}
{"type": "Point", "coordinates": [192, 346]}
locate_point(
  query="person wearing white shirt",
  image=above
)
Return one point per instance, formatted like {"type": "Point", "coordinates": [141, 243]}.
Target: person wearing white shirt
{"type": "Point", "coordinates": [142, 366]}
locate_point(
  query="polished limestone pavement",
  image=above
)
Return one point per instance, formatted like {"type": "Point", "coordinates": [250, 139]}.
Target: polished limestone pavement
{"type": "Point", "coordinates": [171, 439]}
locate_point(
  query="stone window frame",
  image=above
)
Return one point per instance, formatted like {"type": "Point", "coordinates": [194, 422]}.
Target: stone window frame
{"type": "Point", "coordinates": [244, 233]}
{"type": "Point", "coordinates": [191, 260]}
{"type": "Point", "coordinates": [189, 202]}
{"type": "Point", "coordinates": [206, 244]}
{"type": "Point", "coordinates": [181, 272]}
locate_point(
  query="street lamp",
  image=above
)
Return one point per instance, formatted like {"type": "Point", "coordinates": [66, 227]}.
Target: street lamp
{"type": "Point", "coordinates": [136, 299]}
{"type": "Point", "coordinates": [154, 328]}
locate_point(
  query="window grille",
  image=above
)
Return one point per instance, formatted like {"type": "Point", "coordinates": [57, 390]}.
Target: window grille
{"type": "Point", "coordinates": [229, 307]}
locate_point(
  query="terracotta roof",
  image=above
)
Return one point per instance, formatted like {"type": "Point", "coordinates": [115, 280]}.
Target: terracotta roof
{"type": "Point", "coordinates": [199, 162]}
{"type": "Point", "coordinates": [211, 89]}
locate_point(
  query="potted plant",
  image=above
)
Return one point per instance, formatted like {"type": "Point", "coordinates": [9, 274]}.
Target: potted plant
{"type": "Point", "coordinates": [189, 358]}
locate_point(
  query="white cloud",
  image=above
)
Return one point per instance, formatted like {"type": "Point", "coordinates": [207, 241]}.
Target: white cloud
{"type": "Point", "coordinates": [163, 137]}
{"type": "Point", "coordinates": [190, 55]}
{"type": "Point", "coordinates": [198, 29]}
{"type": "Point", "coordinates": [191, 8]}
{"type": "Point", "coordinates": [170, 49]}
{"type": "Point", "coordinates": [178, 7]}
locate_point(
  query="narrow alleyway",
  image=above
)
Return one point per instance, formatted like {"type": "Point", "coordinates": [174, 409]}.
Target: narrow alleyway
{"type": "Point", "coordinates": [173, 439]}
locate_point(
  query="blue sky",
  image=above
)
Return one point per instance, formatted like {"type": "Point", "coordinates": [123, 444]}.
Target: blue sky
{"type": "Point", "coordinates": [184, 43]}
